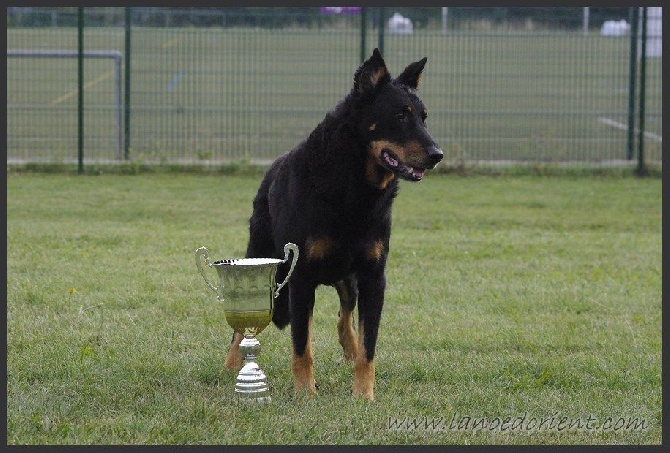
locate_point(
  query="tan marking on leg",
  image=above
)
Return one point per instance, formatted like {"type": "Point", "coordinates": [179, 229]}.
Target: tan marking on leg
{"type": "Point", "coordinates": [364, 370]}
{"type": "Point", "coordinates": [345, 323]}
{"type": "Point", "coordinates": [303, 367]}
{"type": "Point", "coordinates": [376, 250]}
{"type": "Point", "coordinates": [318, 248]}
{"type": "Point", "coordinates": [347, 334]}
{"type": "Point", "coordinates": [234, 357]}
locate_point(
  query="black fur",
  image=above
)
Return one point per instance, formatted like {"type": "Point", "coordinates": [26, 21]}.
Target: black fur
{"type": "Point", "coordinates": [332, 196]}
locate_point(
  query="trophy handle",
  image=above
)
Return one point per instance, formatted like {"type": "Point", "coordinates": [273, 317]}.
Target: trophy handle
{"type": "Point", "coordinates": [289, 247]}
{"type": "Point", "coordinates": [202, 252]}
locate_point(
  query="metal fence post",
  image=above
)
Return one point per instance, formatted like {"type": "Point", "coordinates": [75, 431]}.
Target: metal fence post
{"type": "Point", "coordinates": [632, 73]}
{"type": "Point", "coordinates": [380, 36]}
{"type": "Point", "coordinates": [364, 26]}
{"type": "Point", "coordinates": [126, 102]}
{"type": "Point", "coordinates": [641, 170]}
{"type": "Point", "coordinates": [80, 83]}
{"type": "Point", "coordinates": [585, 21]}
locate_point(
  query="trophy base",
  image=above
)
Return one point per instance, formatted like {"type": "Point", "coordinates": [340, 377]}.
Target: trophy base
{"type": "Point", "coordinates": [251, 380]}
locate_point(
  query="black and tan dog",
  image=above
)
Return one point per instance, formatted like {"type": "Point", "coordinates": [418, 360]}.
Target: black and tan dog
{"type": "Point", "coordinates": [332, 195]}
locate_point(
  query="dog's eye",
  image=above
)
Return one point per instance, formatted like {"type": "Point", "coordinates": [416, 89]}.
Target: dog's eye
{"type": "Point", "coordinates": [404, 113]}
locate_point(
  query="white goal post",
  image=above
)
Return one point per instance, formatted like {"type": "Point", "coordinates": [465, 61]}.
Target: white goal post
{"type": "Point", "coordinates": [114, 55]}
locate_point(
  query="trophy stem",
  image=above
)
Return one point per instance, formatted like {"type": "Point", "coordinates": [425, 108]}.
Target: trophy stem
{"type": "Point", "coordinates": [251, 381]}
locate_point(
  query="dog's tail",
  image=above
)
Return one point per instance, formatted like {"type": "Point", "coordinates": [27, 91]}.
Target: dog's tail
{"type": "Point", "coordinates": [281, 316]}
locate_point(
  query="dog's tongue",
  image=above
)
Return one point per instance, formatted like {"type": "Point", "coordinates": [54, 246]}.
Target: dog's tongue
{"type": "Point", "coordinates": [415, 172]}
{"type": "Point", "coordinates": [390, 160]}
{"type": "Point", "coordinates": [407, 170]}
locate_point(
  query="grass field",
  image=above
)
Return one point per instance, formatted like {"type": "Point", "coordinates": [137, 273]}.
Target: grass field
{"type": "Point", "coordinates": [214, 93]}
{"type": "Point", "coordinates": [519, 310]}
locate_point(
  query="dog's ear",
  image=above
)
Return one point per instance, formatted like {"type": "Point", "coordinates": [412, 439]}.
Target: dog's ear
{"type": "Point", "coordinates": [371, 74]}
{"type": "Point", "coordinates": [412, 74]}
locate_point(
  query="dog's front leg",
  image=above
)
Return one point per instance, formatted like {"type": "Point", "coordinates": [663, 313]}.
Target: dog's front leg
{"type": "Point", "coordinates": [301, 300]}
{"type": "Point", "coordinates": [370, 303]}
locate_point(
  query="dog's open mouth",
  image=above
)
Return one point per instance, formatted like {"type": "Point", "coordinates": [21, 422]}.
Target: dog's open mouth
{"type": "Point", "coordinates": [408, 172]}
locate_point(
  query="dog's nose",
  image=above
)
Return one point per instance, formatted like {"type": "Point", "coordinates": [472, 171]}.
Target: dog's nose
{"type": "Point", "coordinates": [435, 154]}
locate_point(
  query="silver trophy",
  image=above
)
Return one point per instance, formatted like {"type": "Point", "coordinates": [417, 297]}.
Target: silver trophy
{"type": "Point", "coordinates": [247, 290]}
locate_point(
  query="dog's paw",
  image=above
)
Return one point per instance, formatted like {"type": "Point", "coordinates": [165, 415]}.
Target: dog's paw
{"type": "Point", "coordinates": [308, 389]}
{"type": "Point", "coordinates": [367, 394]}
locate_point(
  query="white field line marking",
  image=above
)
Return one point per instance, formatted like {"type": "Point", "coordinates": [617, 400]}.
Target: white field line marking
{"type": "Point", "coordinates": [623, 127]}
{"type": "Point", "coordinates": [72, 93]}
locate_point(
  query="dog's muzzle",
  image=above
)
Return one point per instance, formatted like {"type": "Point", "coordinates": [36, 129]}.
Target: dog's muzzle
{"type": "Point", "coordinates": [415, 170]}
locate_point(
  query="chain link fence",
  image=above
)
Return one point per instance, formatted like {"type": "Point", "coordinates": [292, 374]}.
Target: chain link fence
{"type": "Point", "coordinates": [230, 84]}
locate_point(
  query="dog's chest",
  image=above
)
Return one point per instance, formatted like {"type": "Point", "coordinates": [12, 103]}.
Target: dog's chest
{"type": "Point", "coordinates": [331, 256]}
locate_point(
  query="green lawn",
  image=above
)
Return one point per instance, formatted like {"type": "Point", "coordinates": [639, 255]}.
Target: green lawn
{"type": "Point", "coordinates": [530, 304]}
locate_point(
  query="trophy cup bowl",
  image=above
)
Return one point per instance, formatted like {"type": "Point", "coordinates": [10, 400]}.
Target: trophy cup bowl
{"type": "Point", "coordinates": [247, 288]}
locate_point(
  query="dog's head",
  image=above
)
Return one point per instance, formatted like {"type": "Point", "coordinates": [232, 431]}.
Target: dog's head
{"type": "Point", "coordinates": [393, 121]}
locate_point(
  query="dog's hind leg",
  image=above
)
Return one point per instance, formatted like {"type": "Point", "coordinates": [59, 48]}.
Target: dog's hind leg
{"type": "Point", "coordinates": [347, 289]}
{"type": "Point", "coordinates": [301, 302]}
{"type": "Point", "coordinates": [234, 358]}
